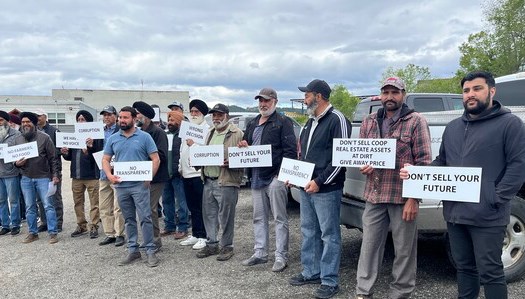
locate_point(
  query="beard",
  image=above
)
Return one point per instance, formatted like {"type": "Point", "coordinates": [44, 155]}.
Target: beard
{"type": "Point", "coordinates": [394, 107]}
{"type": "Point", "coordinates": [4, 129]}
{"type": "Point", "coordinates": [197, 119]}
{"type": "Point", "coordinates": [172, 128]}
{"type": "Point", "coordinates": [310, 108]}
{"type": "Point", "coordinates": [268, 111]}
{"type": "Point", "coordinates": [125, 127]}
{"type": "Point", "coordinates": [29, 133]}
{"type": "Point", "coordinates": [221, 125]}
{"type": "Point", "coordinates": [480, 106]}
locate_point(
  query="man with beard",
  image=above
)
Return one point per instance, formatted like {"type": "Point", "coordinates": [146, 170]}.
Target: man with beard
{"type": "Point", "coordinates": [110, 214]}
{"type": "Point", "coordinates": [488, 136]}
{"type": "Point", "coordinates": [321, 197]}
{"type": "Point", "coordinates": [145, 114]}
{"type": "Point", "coordinates": [128, 145]}
{"type": "Point", "coordinates": [174, 189]}
{"type": "Point", "coordinates": [269, 194]}
{"type": "Point", "coordinates": [43, 125]}
{"type": "Point", "coordinates": [36, 176]}
{"type": "Point", "coordinates": [221, 188]}
{"type": "Point", "coordinates": [385, 207]}
{"type": "Point", "coordinates": [191, 178]}
{"type": "Point", "coordinates": [9, 182]}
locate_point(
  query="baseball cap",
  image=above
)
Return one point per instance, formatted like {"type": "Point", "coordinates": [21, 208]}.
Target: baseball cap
{"type": "Point", "coordinates": [319, 86]}
{"type": "Point", "coordinates": [40, 111]}
{"type": "Point", "coordinates": [108, 109]}
{"type": "Point", "coordinates": [221, 108]}
{"type": "Point", "coordinates": [176, 104]}
{"type": "Point", "coordinates": [394, 81]}
{"type": "Point", "coordinates": [267, 93]}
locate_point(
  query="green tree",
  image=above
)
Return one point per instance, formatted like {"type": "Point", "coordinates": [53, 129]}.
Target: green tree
{"type": "Point", "coordinates": [443, 85]}
{"type": "Point", "coordinates": [343, 100]}
{"type": "Point", "coordinates": [500, 48]}
{"type": "Point", "coordinates": [411, 74]}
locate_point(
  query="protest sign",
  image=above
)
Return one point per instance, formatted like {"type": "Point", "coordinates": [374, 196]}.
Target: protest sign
{"type": "Point", "coordinates": [3, 146]}
{"type": "Point", "coordinates": [69, 140]}
{"type": "Point", "coordinates": [251, 156]}
{"type": "Point", "coordinates": [157, 114]}
{"type": "Point", "coordinates": [357, 152]}
{"type": "Point", "coordinates": [296, 172]}
{"type": "Point", "coordinates": [192, 131]}
{"type": "Point", "coordinates": [133, 171]}
{"type": "Point", "coordinates": [207, 155]}
{"type": "Point", "coordinates": [93, 130]}
{"type": "Point", "coordinates": [17, 152]}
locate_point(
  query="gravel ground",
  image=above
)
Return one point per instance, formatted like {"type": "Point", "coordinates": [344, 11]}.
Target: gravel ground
{"type": "Point", "coordinates": [79, 268]}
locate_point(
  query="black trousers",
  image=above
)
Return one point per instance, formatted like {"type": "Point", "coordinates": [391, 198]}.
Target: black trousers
{"type": "Point", "coordinates": [477, 254]}
{"type": "Point", "coordinates": [193, 188]}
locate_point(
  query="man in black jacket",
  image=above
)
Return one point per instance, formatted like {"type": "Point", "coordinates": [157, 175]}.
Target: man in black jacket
{"type": "Point", "coordinates": [268, 193]}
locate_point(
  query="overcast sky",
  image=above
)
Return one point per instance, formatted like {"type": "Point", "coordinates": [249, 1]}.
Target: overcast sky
{"type": "Point", "coordinates": [225, 51]}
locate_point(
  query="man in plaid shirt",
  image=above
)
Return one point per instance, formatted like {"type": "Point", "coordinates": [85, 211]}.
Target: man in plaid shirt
{"type": "Point", "coordinates": [385, 208]}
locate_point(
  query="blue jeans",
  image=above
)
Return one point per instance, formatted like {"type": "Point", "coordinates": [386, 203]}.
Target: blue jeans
{"type": "Point", "coordinates": [10, 202]}
{"type": "Point", "coordinates": [174, 191]}
{"type": "Point", "coordinates": [134, 200]}
{"type": "Point", "coordinates": [321, 247]}
{"type": "Point", "coordinates": [30, 189]}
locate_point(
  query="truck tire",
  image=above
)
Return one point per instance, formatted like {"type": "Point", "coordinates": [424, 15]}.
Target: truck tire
{"type": "Point", "coordinates": [513, 251]}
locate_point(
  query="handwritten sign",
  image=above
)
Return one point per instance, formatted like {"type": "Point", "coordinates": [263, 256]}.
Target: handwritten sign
{"type": "Point", "coordinates": [134, 171]}
{"type": "Point", "coordinates": [93, 130]}
{"type": "Point", "coordinates": [443, 183]}
{"type": "Point", "coordinates": [17, 152]}
{"type": "Point", "coordinates": [296, 172]}
{"type": "Point", "coordinates": [207, 155]}
{"type": "Point", "coordinates": [70, 140]}
{"type": "Point", "coordinates": [3, 146]}
{"type": "Point", "coordinates": [251, 156]}
{"type": "Point", "coordinates": [192, 131]}
{"type": "Point", "coordinates": [357, 152]}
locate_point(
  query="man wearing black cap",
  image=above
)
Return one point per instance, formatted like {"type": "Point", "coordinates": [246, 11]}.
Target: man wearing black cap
{"type": "Point", "coordinates": [191, 178]}
{"type": "Point", "coordinates": [36, 175]}
{"type": "Point", "coordinates": [145, 114]}
{"type": "Point", "coordinates": [85, 174]}
{"type": "Point", "coordinates": [321, 197]}
{"type": "Point", "coordinates": [9, 182]}
{"type": "Point", "coordinates": [110, 214]}
{"type": "Point", "coordinates": [268, 193]}
{"type": "Point", "coordinates": [221, 188]}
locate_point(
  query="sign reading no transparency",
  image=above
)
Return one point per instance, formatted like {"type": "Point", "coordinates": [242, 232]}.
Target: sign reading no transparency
{"type": "Point", "coordinates": [17, 152]}
{"type": "Point", "coordinates": [194, 132]}
{"type": "Point", "coordinates": [251, 156]}
{"type": "Point", "coordinates": [357, 152]}
{"type": "Point", "coordinates": [443, 183]}
{"type": "Point", "coordinates": [296, 172]}
{"type": "Point", "coordinates": [134, 171]}
{"type": "Point", "coordinates": [207, 155]}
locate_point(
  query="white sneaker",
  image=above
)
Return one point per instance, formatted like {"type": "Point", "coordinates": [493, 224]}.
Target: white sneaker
{"type": "Point", "coordinates": [201, 243]}
{"type": "Point", "coordinates": [190, 240]}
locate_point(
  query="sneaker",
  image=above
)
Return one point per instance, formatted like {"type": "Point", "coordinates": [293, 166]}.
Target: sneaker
{"type": "Point", "coordinates": [180, 235]}
{"type": "Point", "coordinates": [279, 265]}
{"type": "Point", "coordinates": [53, 239]}
{"type": "Point", "coordinates": [361, 296]}
{"type": "Point", "coordinates": [15, 231]}
{"type": "Point", "coordinates": [299, 280]}
{"type": "Point", "coordinates": [190, 240]}
{"type": "Point", "coordinates": [119, 241]}
{"type": "Point", "coordinates": [253, 260]}
{"type": "Point", "coordinates": [166, 233]}
{"type": "Point", "coordinates": [201, 243]}
{"type": "Point", "coordinates": [4, 231]}
{"type": "Point", "coordinates": [78, 232]}
{"type": "Point", "coordinates": [93, 234]}
{"type": "Point", "coordinates": [326, 291]}
{"type": "Point", "coordinates": [225, 254]}
{"type": "Point", "coordinates": [30, 238]}
{"type": "Point", "coordinates": [107, 240]}
{"type": "Point", "coordinates": [130, 258]}
{"type": "Point", "coordinates": [42, 228]}
{"type": "Point", "coordinates": [208, 251]}
{"type": "Point", "coordinates": [153, 260]}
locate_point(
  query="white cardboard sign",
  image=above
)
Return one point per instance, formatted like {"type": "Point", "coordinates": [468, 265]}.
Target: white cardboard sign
{"type": "Point", "coordinates": [70, 140]}
{"type": "Point", "coordinates": [443, 183]}
{"type": "Point", "coordinates": [157, 114]}
{"type": "Point", "coordinates": [133, 171]}
{"type": "Point", "coordinates": [357, 152]}
{"type": "Point", "coordinates": [296, 172]}
{"type": "Point", "coordinates": [3, 146]}
{"type": "Point", "coordinates": [17, 152]}
{"type": "Point", "coordinates": [192, 131]}
{"type": "Point", "coordinates": [207, 155]}
{"type": "Point", "coordinates": [98, 158]}
{"type": "Point", "coordinates": [93, 130]}
{"type": "Point", "coordinates": [251, 156]}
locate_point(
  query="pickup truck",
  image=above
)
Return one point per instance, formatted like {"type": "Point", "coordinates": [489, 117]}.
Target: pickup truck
{"type": "Point", "coordinates": [509, 89]}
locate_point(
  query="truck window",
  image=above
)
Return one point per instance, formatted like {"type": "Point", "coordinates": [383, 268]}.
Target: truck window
{"type": "Point", "coordinates": [428, 104]}
{"type": "Point", "coordinates": [511, 93]}
{"type": "Point", "coordinates": [456, 103]}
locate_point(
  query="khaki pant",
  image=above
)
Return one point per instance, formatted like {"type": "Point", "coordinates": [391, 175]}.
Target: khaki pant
{"type": "Point", "coordinates": [156, 190]}
{"type": "Point", "coordinates": [79, 188]}
{"type": "Point", "coordinates": [110, 214]}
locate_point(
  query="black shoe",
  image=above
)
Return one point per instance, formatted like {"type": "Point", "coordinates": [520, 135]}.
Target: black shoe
{"type": "Point", "coordinates": [107, 240]}
{"type": "Point", "coordinates": [326, 291]}
{"type": "Point", "coordinates": [299, 280]}
{"type": "Point", "coordinates": [15, 231]}
{"type": "Point", "coordinates": [42, 228]}
{"type": "Point", "coordinates": [225, 254]}
{"type": "Point", "coordinates": [93, 234]}
{"type": "Point", "coordinates": [130, 258]}
{"type": "Point", "coordinates": [119, 241]}
{"type": "Point", "coordinates": [4, 231]}
{"type": "Point", "coordinates": [78, 232]}
{"type": "Point", "coordinates": [153, 260]}
{"type": "Point", "coordinates": [208, 251]}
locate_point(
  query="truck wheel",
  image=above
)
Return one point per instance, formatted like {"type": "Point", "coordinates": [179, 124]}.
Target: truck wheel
{"type": "Point", "coordinates": [513, 251]}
